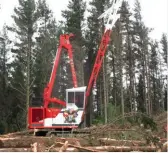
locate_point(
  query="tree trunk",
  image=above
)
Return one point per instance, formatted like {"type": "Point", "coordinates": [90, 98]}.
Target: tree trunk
{"type": "Point", "coordinates": [28, 79]}
{"type": "Point", "coordinates": [121, 68]}
{"type": "Point", "coordinates": [114, 80]}
{"type": "Point", "coordinates": [122, 96]}
{"type": "Point", "coordinates": [144, 79]}
{"type": "Point", "coordinates": [147, 81]}
{"type": "Point", "coordinates": [104, 91]}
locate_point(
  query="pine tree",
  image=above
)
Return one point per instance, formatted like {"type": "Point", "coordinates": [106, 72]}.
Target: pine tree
{"type": "Point", "coordinates": [115, 51]}
{"type": "Point", "coordinates": [93, 36]}
{"type": "Point", "coordinates": [45, 48]}
{"type": "Point", "coordinates": [4, 40]}
{"type": "Point", "coordinates": [141, 41]}
{"type": "Point", "coordinates": [122, 59]}
{"type": "Point", "coordinates": [156, 91]}
{"type": "Point", "coordinates": [129, 54]}
{"type": "Point", "coordinates": [163, 67]}
{"type": "Point", "coordinates": [25, 17]}
{"type": "Point", "coordinates": [164, 46]}
{"type": "Point", "coordinates": [74, 20]}
{"type": "Point", "coordinates": [4, 80]}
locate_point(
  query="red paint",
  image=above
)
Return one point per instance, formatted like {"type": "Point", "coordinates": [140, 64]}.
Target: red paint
{"type": "Point", "coordinates": [97, 65]}
{"type": "Point", "coordinates": [37, 114]}
{"type": "Point", "coordinates": [64, 43]}
{"type": "Point", "coordinates": [52, 112]}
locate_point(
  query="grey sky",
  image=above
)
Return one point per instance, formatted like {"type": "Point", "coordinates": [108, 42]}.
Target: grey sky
{"type": "Point", "coordinates": [154, 12]}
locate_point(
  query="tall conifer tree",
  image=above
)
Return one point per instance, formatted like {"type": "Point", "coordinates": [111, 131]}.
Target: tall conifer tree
{"type": "Point", "coordinates": [25, 17]}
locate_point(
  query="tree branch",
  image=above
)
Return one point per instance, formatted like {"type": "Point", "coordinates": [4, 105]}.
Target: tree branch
{"type": "Point", "coordinates": [18, 90]}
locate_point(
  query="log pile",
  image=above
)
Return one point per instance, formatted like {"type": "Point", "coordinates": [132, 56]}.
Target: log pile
{"type": "Point", "coordinates": [55, 144]}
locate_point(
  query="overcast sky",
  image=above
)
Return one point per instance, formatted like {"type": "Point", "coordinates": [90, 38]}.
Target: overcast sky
{"type": "Point", "coordinates": [154, 12]}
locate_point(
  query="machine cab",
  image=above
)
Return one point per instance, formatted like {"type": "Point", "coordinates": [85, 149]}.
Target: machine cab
{"type": "Point", "coordinates": [75, 98]}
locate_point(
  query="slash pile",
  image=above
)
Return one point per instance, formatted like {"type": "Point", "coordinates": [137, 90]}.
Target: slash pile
{"type": "Point", "coordinates": [88, 143]}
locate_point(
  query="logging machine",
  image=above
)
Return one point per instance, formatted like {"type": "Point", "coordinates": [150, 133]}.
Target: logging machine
{"type": "Point", "coordinates": [69, 114]}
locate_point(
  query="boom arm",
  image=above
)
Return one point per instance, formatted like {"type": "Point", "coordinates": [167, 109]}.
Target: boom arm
{"type": "Point", "coordinates": [98, 62]}
{"type": "Point", "coordinates": [64, 43]}
{"type": "Point", "coordinates": [112, 17]}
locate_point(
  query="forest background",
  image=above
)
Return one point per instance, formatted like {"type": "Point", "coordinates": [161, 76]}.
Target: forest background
{"type": "Point", "coordinates": [133, 77]}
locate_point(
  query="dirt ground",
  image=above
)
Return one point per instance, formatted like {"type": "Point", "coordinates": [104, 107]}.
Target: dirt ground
{"type": "Point", "coordinates": [111, 137]}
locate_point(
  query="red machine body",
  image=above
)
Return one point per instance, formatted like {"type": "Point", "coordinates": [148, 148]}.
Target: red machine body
{"type": "Point", "coordinates": [38, 114]}
{"type": "Point", "coordinates": [46, 112]}
{"type": "Point", "coordinates": [70, 113]}
{"type": "Point", "coordinates": [64, 43]}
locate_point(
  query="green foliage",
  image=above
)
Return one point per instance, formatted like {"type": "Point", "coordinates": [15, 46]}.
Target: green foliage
{"type": "Point", "coordinates": [130, 50]}
{"type": "Point", "coordinates": [45, 49]}
{"type": "Point", "coordinates": [148, 122]}
{"type": "Point", "coordinates": [98, 120]}
{"type": "Point", "coordinates": [142, 119]}
{"type": "Point", "coordinates": [113, 112]}
{"type": "Point", "coordinates": [2, 127]}
{"type": "Point", "coordinates": [74, 22]}
{"type": "Point", "coordinates": [74, 16]}
{"type": "Point", "coordinates": [164, 46]}
{"type": "Point", "coordinates": [25, 17]}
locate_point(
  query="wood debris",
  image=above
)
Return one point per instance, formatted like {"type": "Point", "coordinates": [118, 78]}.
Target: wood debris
{"type": "Point", "coordinates": [34, 147]}
{"type": "Point", "coordinates": [64, 147]}
{"type": "Point", "coordinates": [22, 142]}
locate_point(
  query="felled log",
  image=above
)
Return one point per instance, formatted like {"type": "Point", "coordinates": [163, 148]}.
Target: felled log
{"type": "Point", "coordinates": [70, 140]}
{"type": "Point", "coordinates": [26, 132]}
{"type": "Point", "coordinates": [124, 148]}
{"type": "Point", "coordinates": [21, 142]}
{"type": "Point", "coordinates": [79, 147]}
{"type": "Point", "coordinates": [69, 149]}
{"type": "Point", "coordinates": [27, 141]}
{"type": "Point", "coordinates": [64, 147]}
{"type": "Point", "coordinates": [77, 143]}
{"type": "Point", "coordinates": [109, 149]}
{"type": "Point", "coordinates": [108, 141]}
{"type": "Point", "coordinates": [15, 150]}
{"type": "Point", "coordinates": [14, 143]}
{"type": "Point", "coordinates": [74, 141]}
